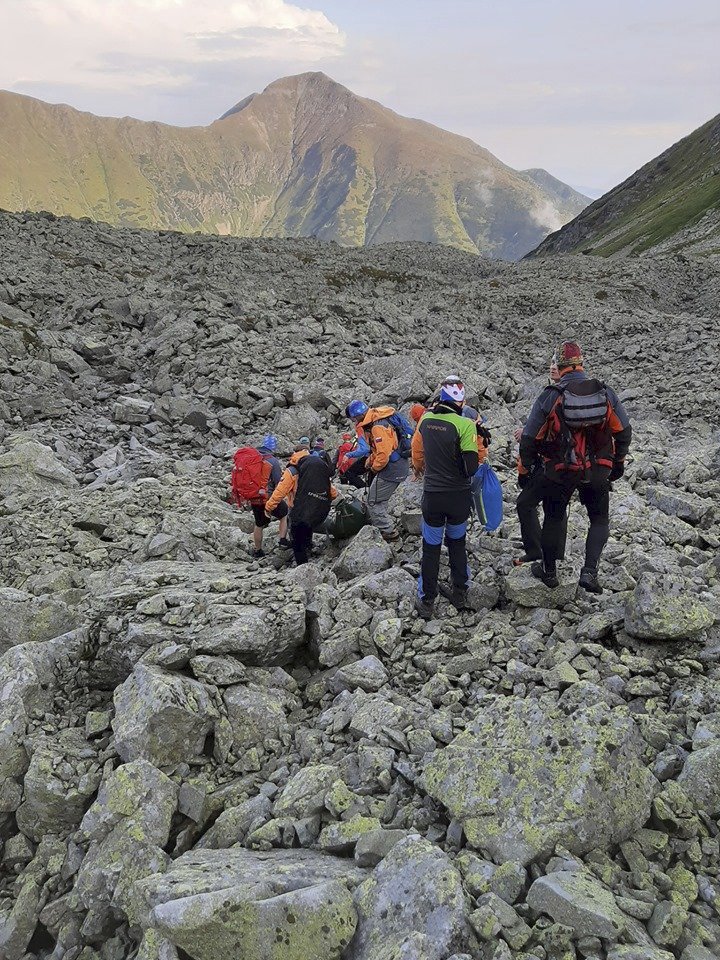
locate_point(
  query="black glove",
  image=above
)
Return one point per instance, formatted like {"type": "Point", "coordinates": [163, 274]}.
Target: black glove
{"type": "Point", "coordinates": [523, 480]}
{"type": "Point", "coordinates": [618, 470]}
{"type": "Point", "coordinates": [485, 435]}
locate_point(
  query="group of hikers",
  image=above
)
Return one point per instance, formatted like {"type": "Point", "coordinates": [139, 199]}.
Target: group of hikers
{"type": "Point", "coordinates": [576, 438]}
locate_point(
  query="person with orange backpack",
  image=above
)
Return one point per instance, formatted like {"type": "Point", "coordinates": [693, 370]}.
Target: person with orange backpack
{"type": "Point", "coordinates": [256, 472]}
{"type": "Point", "coordinates": [306, 488]}
{"type": "Point", "coordinates": [386, 436]}
{"type": "Point", "coordinates": [582, 433]}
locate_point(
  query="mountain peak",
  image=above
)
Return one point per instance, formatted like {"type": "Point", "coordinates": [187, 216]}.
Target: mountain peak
{"type": "Point", "coordinates": [306, 157]}
{"type": "Point", "coordinates": [313, 83]}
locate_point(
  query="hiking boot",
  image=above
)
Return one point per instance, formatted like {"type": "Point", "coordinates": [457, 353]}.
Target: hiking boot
{"type": "Point", "coordinates": [390, 536]}
{"type": "Point", "coordinates": [459, 598]}
{"type": "Point", "coordinates": [548, 577]}
{"type": "Point", "coordinates": [589, 580]}
{"type": "Point", "coordinates": [258, 554]}
{"type": "Point", "coordinates": [285, 543]}
{"type": "Point", "coordinates": [425, 610]}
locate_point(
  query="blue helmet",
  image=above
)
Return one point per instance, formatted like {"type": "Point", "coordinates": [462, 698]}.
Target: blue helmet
{"type": "Point", "coordinates": [356, 409]}
{"type": "Point", "coordinates": [269, 443]}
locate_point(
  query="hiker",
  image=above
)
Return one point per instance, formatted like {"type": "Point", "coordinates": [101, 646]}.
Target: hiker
{"type": "Point", "coordinates": [350, 470]}
{"type": "Point", "coordinates": [580, 430]}
{"type": "Point", "coordinates": [305, 486]}
{"type": "Point", "coordinates": [387, 435]}
{"type": "Point", "coordinates": [318, 450]}
{"type": "Point", "coordinates": [445, 452]}
{"type": "Point", "coordinates": [531, 486]}
{"type": "Point", "coordinates": [256, 473]}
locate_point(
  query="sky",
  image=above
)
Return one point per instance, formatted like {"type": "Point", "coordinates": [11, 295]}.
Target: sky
{"type": "Point", "coordinates": [590, 91]}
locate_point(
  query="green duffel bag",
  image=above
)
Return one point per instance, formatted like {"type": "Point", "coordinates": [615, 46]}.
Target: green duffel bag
{"type": "Point", "coordinates": [348, 519]}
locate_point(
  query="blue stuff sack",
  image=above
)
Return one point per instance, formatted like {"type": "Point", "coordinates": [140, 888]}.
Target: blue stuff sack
{"type": "Point", "coordinates": [487, 497]}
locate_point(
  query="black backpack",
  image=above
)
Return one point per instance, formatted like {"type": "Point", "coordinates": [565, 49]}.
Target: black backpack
{"type": "Point", "coordinates": [312, 497]}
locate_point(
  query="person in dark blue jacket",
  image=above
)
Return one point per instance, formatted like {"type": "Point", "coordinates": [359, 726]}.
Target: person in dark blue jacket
{"type": "Point", "coordinates": [580, 430]}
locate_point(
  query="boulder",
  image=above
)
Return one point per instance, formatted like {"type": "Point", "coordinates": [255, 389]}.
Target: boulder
{"type": "Point", "coordinates": [161, 717]}
{"type": "Point", "coordinates": [523, 588]}
{"type": "Point", "coordinates": [367, 674]}
{"type": "Point", "coordinates": [25, 618]}
{"type": "Point", "coordinates": [525, 776]}
{"type": "Point", "coordinates": [678, 503]}
{"type": "Point", "coordinates": [579, 901]}
{"type": "Point", "coordinates": [58, 788]}
{"type": "Point", "coordinates": [297, 421]}
{"type": "Point", "coordinates": [304, 794]}
{"type": "Point", "coordinates": [252, 906]}
{"type": "Point", "coordinates": [255, 716]}
{"type": "Point", "coordinates": [414, 891]}
{"type": "Point", "coordinates": [367, 553]}
{"type": "Point", "coordinates": [700, 778]}
{"type": "Point", "coordinates": [258, 635]}
{"type": "Point", "coordinates": [125, 830]}
{"type": "Point", "coordinates": [662, 608]}
{"type": "Point", "coordinates": [29, 467]}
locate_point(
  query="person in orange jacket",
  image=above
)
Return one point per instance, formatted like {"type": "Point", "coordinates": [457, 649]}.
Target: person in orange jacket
{"type": "Point", "coordinates": [385, 465]}
{"type": "Point", "coordinates": [306, 487]}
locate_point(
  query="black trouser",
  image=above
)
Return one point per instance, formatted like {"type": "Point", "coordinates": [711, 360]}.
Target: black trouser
{"type": "Point", "coordinates": [445, 514]}
{"type": "Point", "coordinates": [528, 502]}
{"type": "Point", "coordinates": [595, 497]}
{"type": "Point", "coordinates": [301, 535]}
{"type": "Point", "coordinates": [355, 474]}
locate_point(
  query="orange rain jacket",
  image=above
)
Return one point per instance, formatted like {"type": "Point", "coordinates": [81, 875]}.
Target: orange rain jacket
{"type": "Point", "coordinates": [381, 437]}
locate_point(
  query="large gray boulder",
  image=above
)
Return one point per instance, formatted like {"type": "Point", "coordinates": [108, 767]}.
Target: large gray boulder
{"type": "Point", "coordinates": [29, 467]}
{"type": "Point", "coordinates": [367, 553]}
{"type": "Point", "coordinates": [578, 900]}
{"type": "Point", "coordinates": [161, 717]}
{"type": "Point", "coordinates": [25, 618]}
{"type": "Point", "coordinates": [252, 906]}
{"type": "Point", "coordinates": [255, 716]}
{"type": "Point", "coordinates": [416, 890]}
{"type": "Point", "coordinates": [125, 830]}
{"type": "Point", "coordinates": [662, 608]}
{"type": "Point", "coordinates": [523, 588]}
{"type": "Point", "coordinates": [304, 794]}
{"type": "Point", "coordinates": [59, 785]}
{"type": "Point", "coordinates": [526, 776]}
{"type": "Point", "coordinates": [258, 635]}
{"type": "Point", "coordinates": [700, 778]}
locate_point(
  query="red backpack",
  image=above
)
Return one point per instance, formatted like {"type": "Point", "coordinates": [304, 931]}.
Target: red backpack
{"type": "Point", "coordinates": [250, 476]}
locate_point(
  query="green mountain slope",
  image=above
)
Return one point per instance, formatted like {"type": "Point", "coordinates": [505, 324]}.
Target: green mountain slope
{"type": "Point", "coordinates": [304, 158]}
{"type": "Point", "coordinates": [671, 203]}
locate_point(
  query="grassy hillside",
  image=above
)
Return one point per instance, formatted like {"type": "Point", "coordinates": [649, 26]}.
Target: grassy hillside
{"type": "Point", "coordinates": [673, 201]}
{"type": "Point", "coordinates": [304, 158]}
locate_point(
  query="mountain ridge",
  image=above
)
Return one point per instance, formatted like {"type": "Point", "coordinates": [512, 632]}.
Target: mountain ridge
{"type": "Point", "coordinates": [306, 157]}
{"type": "Point", "coordinates": [672, 202]}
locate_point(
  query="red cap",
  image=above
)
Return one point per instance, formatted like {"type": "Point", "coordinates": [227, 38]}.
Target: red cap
{"type": "Point", "coordinates": [568, 354]}
{"type": "Point", "coordinates": [417, 412]}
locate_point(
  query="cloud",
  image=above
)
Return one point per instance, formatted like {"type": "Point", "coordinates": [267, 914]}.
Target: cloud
{"type": "Point", "coordinates": [129, 45]}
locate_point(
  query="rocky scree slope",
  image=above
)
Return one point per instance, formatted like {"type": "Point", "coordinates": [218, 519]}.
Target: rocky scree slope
{"type": "Point", "coordinates": [672, 204]}
{"type": "Point", "coordinates": [304, 158]}
{"type": "Point", "coordinates": [204, 755]}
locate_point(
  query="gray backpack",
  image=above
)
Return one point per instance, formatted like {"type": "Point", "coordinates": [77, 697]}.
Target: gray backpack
{"type": "Point", "coordinates": [584, 404]}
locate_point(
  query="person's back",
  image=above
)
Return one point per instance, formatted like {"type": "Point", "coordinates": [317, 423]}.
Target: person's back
{"type": "Point", "coordinates": [445, 453]}
{"type": "Point", "coordinates": [445, 435]}
{"type": "Point", "coordinates": [272, 473]}
{"type": "Point", "coordinates": [582, 433]}
{"type": "Point", "coordinates": [385, 465]}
